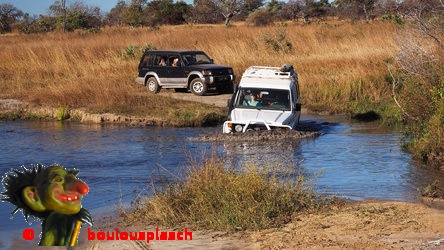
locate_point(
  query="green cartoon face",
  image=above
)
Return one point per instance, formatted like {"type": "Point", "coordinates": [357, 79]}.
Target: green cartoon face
{"type": "Point", "coordinates": [55, 189]}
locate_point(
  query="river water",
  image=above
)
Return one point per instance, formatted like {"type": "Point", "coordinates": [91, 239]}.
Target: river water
{"type": "Point", "coordinates": [352, 160]}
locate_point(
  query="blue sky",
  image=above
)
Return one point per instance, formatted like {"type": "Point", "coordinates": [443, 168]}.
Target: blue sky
{"type": "Point", "coordinates": [36, 7]}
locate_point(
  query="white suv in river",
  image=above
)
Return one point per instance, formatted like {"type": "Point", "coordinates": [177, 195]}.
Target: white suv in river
{"type": "Point", "coordinates": [266, 98]}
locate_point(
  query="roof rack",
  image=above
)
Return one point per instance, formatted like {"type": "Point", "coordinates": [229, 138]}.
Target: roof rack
{"type": "Point", "coordinates": [286, 71]}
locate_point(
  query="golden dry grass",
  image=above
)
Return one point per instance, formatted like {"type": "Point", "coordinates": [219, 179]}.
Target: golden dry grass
{"type": "Point", "coordinates": [337, 62]}
{"type": "Point", "coordinates": [218, 195]}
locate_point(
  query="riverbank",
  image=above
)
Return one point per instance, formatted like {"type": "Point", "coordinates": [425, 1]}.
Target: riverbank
{"type": "Point", "coordinates": [16, 109]}
{"type": "Point", "coordinates": [11, 109]}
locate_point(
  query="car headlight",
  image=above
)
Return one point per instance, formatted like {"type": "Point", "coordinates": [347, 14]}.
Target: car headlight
{"type": "Point", "coordinates": [207, 72]}
{"type": "Point", "coordinates": [238, 128]}
{"type": "Point", "coordinates": [230, 71]}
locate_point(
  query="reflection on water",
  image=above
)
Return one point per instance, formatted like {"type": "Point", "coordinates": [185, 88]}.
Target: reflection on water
{"type": "Point", "coordinates": [355, 160]}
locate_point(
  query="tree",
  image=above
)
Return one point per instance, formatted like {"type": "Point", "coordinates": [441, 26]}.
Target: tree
{"type": "Point", "coordinates": [229, 8]}
{"type": "Point", "coordinates": [76, 16]}
{"type": "Point", "coordinates": [206, 11]}
{"type": "Point", "coordinates": [47, 23]}
{"type": "Point", "coordinates": [354, 9]}
{"type": "Point", "coordinates": [266, 15]}
{"type": "Point", "coordinates": [305, 9]}
{"type": "Point", "coordinates": [59, 10]}
{"type": "Point", "coordinates": [388, 6]}
{"type": "Point", "coordinates": [248, 7]}
{"type": "Point", "coordinates": [115, 16]}
{"type": "Point", "coordinates": [422, 8]}
{"type": "Point", "coordinates": [317, 8]}
{"type": "Point", "coordinates": [293, 9]}
{"type": "Point", "coordinates": [80, 16]}
{"type": "Point", "coordinates": [179, 12]}
{"type": "Point", "coordinates": [166, 12]}
{"type": "Point", "coordinates": [134, 15]}
{"type": "Point", "coordinates": [8, 16]}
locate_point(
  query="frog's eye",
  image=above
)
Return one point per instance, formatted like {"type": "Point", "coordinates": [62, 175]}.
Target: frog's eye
{"type": "Point", "coordinates": [58, 178]}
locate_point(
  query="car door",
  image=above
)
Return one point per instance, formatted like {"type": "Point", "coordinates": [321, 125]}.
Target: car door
{"type": "Point", "coordinates": [161, 68]}
{"type": "Point", "coordinates": [176, 74]}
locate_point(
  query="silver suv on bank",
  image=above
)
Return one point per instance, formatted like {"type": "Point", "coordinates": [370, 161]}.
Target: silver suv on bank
{"type": "Point", "coordinates": [183, 70]}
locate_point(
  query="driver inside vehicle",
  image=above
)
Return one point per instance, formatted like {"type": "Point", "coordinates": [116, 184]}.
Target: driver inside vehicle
{"type": "Point", "coordinates": [253, 100]}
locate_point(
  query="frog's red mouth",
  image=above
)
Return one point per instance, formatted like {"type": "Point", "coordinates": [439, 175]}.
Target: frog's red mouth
{"type": "Point", "coordinates": [69, 197]}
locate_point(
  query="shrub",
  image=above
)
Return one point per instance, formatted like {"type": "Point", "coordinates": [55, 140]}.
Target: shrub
{"type": "Point", "coordinates": [62, 113]}
{"type": "Point", "coordinates": [277, 42]}
{"type": "Point", "coordinates": [421, 87]}
{"type": "Point", "coordinates": [261, 17]}
{"type": "Point", "coordinates": [392, 18]}
{"type": "Point", "coordinates": [215, 195]}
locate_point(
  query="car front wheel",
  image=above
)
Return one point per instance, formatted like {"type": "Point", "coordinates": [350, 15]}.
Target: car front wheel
{"type": "Point", "coordinates": [152, 85]}
{"type": "Point", "coordinates": [198, 87]}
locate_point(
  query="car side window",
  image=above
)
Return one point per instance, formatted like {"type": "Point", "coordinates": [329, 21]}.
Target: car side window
{"type": "Point", "coordinates": [188, 59]}
{"type": "Point", "coordinates": [147, 60]}
{"type": "Point", "coordinates": [161, 60]}
{"type": "Point", "coordinates": [174, 61]}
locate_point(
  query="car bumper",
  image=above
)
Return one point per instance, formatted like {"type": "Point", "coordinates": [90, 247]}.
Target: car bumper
{"type": "Point", "coordinates": [230, 126]}
{"type": "Point", "coordinates": [212, 80]}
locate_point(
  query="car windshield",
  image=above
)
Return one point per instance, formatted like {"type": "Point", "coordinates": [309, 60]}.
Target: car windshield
{"type": "Point", "coordinates": [259, 98]}
{"type": "Point", "coordinates": [196, 58]}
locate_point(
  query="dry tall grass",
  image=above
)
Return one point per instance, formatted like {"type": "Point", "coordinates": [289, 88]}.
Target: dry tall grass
{"type": "Point", "coordinates": [338, 63]}
{"type": "Point", "coordinates": [216, 195]}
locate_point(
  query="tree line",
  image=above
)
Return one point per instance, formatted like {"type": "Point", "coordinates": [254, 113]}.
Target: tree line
{"type": "Point", "coordinates": [139, 13]}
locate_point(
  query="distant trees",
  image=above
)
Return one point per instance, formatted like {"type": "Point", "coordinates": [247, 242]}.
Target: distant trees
{"type": "Point", "coordinates": [173, 12]}
{"type": "Point", "coordinates": [266, 15]}
{"type": "Point", "coordinates": [133, 14]}
{"type": "Point", "coordinates": [354, 9]}
{"type": "Point", "coordinates": [115, 15]}
{"type": "Point", "coordinates": [214, 11]}
{"type": "Point", "coordinates": [148, 13]}
{"type": "Point", "coordinates": [167, 12]}
{"type": "Point", "coordinates": [206, 11]}
{"type": "Point", "coordinates": [9, 15]}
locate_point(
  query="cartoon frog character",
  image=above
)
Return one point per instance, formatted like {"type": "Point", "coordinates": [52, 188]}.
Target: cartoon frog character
{"type": "Point", "coordinates": [53, 195]}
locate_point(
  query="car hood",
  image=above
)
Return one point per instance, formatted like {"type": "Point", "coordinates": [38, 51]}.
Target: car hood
{"type": "Point", "coordinates": [277, 117]}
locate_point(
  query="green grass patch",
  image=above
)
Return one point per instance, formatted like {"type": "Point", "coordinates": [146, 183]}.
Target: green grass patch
{"type": "Point", "coordinates": [195, 117]}
{"type": "Point", "coordinates": [62, 113]}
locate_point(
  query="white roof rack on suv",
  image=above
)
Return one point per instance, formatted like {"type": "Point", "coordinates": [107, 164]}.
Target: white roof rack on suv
{"type": "Point", "coordinates": [286, 71]}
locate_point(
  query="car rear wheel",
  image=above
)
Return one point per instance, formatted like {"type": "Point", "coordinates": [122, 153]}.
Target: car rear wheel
{"type": "Point", "coordinates": [198, 87]}
{"type": "Point", "coordinates": [152, 85]}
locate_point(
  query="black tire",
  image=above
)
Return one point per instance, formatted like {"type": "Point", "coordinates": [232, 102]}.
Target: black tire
{"type": "Point", "coordinates": [198, 87]}
{"type": "Point", "coordinates": [152, 85]}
